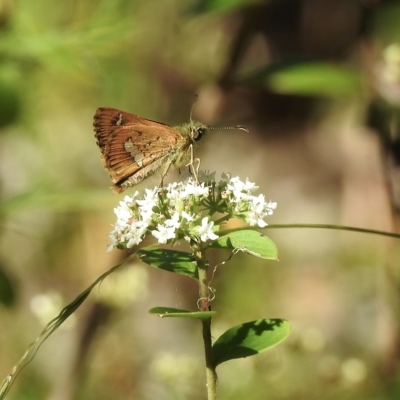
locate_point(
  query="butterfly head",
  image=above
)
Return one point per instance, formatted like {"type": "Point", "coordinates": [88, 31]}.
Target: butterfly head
{"type": "Point", "coordinates": [197, 130]}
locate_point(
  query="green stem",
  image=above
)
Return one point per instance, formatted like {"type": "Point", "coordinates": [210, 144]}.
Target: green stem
{"type": "Point", "coordinates": [316, 226]}
{"type": "Point", "coordinates": [211, 375]}
{"type": "Point", "coordinates": [222, 219]}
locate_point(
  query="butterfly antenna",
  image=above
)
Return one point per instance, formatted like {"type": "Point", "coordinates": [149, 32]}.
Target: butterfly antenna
{"type": "Point", "coordinates": [191, 110]}
{"type": "Point", "coordinates": [240, 127]}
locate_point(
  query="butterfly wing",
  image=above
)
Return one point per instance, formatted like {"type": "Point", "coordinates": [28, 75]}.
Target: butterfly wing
{"type": "Point", "coordinates": [107, 120]}
{"type": "Point", "coordinates": [133, 147]}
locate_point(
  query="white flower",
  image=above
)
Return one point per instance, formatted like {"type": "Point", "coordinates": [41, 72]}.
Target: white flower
{"type": "Point", "coordinates": [194, 189]}
{"type": "Point", "coordinates": [187, 216]}
{"type": "Point", "coordinates": [205, 230]}
{"type": "Point", "coordinates": [131, 239]}
{"type": "Point", "coordinates": [173, 222]}
{"type": "Point", "coordinates": [253, 219]}
{"type": "Point", "coordinates": [149, 201]}
{"type": "Point", "coordinates": [123, 211]}
{"type": "Point", "coordinates": [163, 233]}
{"type": "Point", "coordinates": [235, 185]}
{"type": "Point", "coordinates": [202, 190]}
{"type": "Point", "coordinates": [258, 209]}
{"type": "Point", "coordinates": [173, 192]}
{"type": "Point", "coordinates": [240, 190]}
{"type": "Point", "coordinates": [270, 207]}
{"type": "Point", "coordinates": [113, 239]}
{"type": "Point", "coordinates": [258, 203]}
{"type": "Point", "coordinates": [249, 186]}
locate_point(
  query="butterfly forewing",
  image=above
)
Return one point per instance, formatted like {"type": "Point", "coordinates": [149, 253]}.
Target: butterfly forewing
{"type": "Point", "coordinates": [107, 120]}
{"type": "Point", "coordinates": [133, 147]}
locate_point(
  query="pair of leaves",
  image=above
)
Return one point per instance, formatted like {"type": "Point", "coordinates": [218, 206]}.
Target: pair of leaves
{"type": "Point", "coordinates": [240, 341]}
{"type": "Point", "coordinates": [247, 241]}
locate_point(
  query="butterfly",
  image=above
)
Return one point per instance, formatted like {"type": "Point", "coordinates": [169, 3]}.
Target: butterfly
{"type": "Point", "coordinates": [134, 148]}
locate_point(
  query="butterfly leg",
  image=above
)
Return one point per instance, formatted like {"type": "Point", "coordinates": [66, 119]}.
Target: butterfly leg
{"type": "Point", "coordinates": [164, 173]}
{"type": "Point", "coordinates": [192, 168]}
{"type": "Point", "coordinates": [196, 169]}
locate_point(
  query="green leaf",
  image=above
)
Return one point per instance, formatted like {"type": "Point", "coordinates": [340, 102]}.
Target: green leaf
{"type": "Point", "coordinates": [164, 312]}
{"type": "Point", "coordinates": [248, 241]}
{"type": "Point", "coordinates": [170, 260]}
{"type": "Point", "coordinates": [321, 79]}
{"type": "Point", "coordinates": [250, 338]}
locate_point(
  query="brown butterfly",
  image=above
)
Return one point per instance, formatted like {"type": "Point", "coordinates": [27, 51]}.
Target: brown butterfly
{"type": "Point", "coordinates": [133, 148]}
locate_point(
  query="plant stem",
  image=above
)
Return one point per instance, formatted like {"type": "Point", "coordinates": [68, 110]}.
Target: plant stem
{"type": "Point", "coordinates": [211, 375]}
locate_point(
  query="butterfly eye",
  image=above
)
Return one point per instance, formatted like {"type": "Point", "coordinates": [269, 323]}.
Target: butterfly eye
{"type": "Point", "coordinates": [198, 133]}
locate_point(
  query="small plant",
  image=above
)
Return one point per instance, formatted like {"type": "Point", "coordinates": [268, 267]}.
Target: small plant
{"type": "Point", "coordinates": [196, 213]}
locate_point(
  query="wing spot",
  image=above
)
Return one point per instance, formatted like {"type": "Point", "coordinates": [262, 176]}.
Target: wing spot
{"type": "Point", "coordinates": [135, 152]}
{"type": "Point", "coordinates": [118, 120]}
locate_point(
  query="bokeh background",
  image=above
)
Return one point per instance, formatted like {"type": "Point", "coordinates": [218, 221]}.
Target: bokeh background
{"type": "Point", "coordinates": [318, 85]}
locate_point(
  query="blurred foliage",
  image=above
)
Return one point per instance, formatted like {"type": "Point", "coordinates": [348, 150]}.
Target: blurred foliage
{"type": "Point", "coordinates": [385, 23]}
{"type": "Point", "coordinates": [271, 65]}
{"type": "Point", "coordinates": [7, 290]}
{"type": "Point", "coordinates": [224, 5]}
{"type": "Point", "coordinates": [316, 79]}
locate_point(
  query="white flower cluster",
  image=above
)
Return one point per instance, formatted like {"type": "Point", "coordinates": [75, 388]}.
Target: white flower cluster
{"type": "Point", "coordinates": [183, 210]}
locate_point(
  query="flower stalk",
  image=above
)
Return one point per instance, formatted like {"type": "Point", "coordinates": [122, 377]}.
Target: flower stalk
{"type": "Point", "coordinates": [204, 305]}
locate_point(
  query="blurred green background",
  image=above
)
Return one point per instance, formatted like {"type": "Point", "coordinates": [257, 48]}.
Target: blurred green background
{"type": "Point", "coordinates": [318, 85]}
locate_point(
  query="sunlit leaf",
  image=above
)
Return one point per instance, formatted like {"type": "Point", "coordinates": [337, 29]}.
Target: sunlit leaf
{"type": "Point", "coordinates": [248, 241]}
{"type": "Point", "coordinates": [249, 339]}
